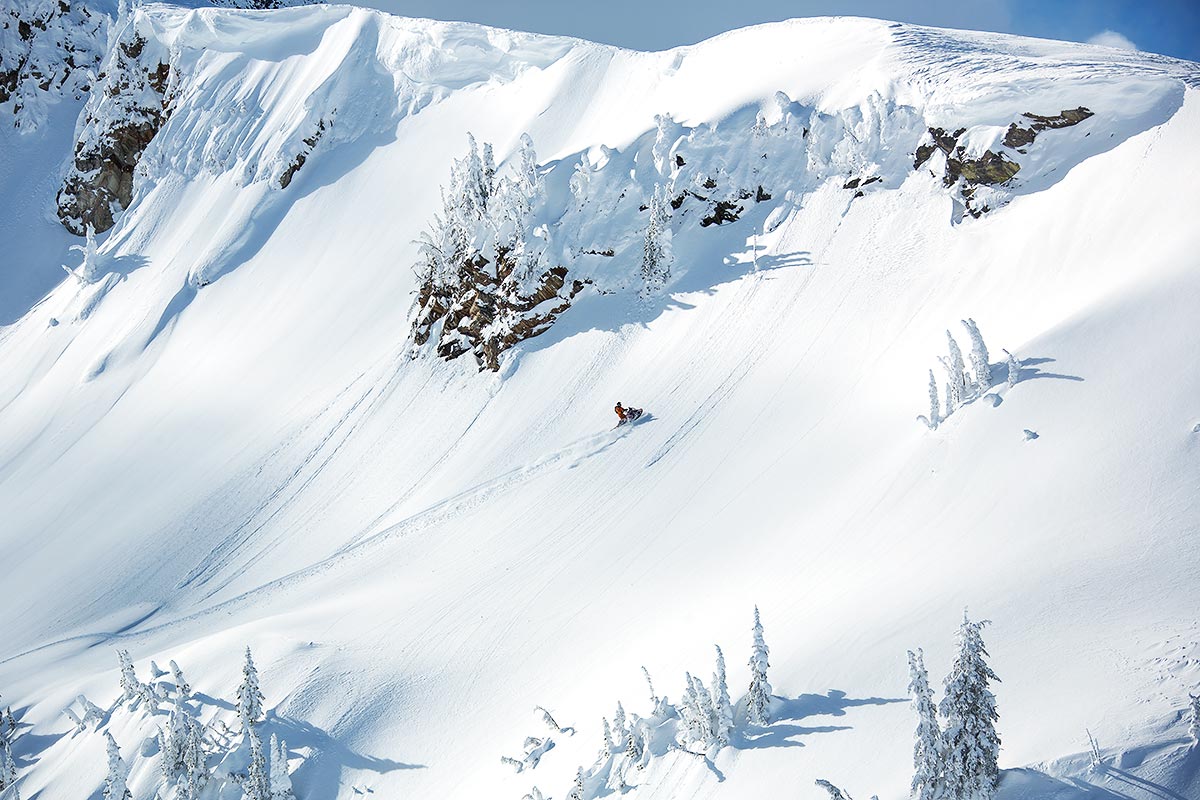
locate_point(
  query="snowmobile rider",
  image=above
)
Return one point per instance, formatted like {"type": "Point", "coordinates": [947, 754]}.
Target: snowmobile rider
{"type": "Point", "coordinates": [620, 412]}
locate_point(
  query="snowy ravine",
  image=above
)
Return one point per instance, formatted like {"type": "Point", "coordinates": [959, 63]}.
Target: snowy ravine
{"type": "Point", "coordinates": [263, 411]}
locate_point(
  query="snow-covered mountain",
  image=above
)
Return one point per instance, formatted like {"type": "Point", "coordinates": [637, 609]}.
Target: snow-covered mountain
{"type": "Point", "coordinates": [263, 410]}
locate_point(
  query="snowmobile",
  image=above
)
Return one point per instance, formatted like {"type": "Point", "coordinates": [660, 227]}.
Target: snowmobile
{"type": "Point", "coordinates": [627, 415]}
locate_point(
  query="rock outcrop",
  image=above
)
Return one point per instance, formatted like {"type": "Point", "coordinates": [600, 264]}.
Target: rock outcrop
{"type": "Point", "coordinates": [128, 106]}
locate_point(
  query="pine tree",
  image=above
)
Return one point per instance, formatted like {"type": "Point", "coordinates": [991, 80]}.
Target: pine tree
{"type": "Point", "coordinates": [1194, 728]}
{"type": "Point", "coordinates": [8, 724]}
{"type": "Point", "coordinates": [8, 765]}
{"type": "Point", "coordinates": [927, 768]}
{"type": "Point", "coordinates": [620, 728]}
{"type": "Point", "coordinates": [1014, 369]}
{"type": "Point", "coordinates": [577, 789]}
{"type": "Point", "coordinates": [656, 247]}
{"type": "Point", "coordinates": [195, 761]}
{"type": "Point", "coordinates": [970, 744]}
{"type": "Point", "coordinates": [635, 747]}
{"type": "Point", "coordinates": [257, 785]}
{"type": "Point", "coordinates": [721, 703]}
{"type": "Point", "coordinates": [609, 746]}
{"type": "Point", "coordinates": [249, 697]}
{"type": "Point", "coordinates": [118, 772]}
{"type": "Point", "coordinates": [956, 372]}
{"type": "Point", "coordinates": [707, 714]}
{"type": "Point", "coordinates": [758, 699]}
{"type": "Point", "coordinates": [132, 689]}
{"type": "Point", "coordinates": [181, 685]}
{"type": "Point", "coordinates": [935, 411]}
{"type": "Point", "coordinates": [981, 369]}
{"type": "Point", "coordinates": [281, 782]}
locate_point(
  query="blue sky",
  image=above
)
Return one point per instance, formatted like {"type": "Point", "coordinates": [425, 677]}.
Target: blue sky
{"type": "Point", "coordinates": [1171, 27]}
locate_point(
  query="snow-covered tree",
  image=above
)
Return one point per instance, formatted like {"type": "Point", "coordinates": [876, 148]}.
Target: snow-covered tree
{"type": "Point", "coordinates": [609, 746]}
{"type": "Point", "coordinates": [620, 726]}
{"type": "Point", "coordinates": [132, 689]}
{"type": "Point", "coordinates": [181, 685]}
{"type": "Point", "coordinates": [758, 699]}
{"type": "Point", "coordinates": [118, 772]}
{"type": "Point", "coordinates": [935, 411]}
{"type": "Point", "coordinates": [635, 746]}
{"type": "Point", "coordinates": [581, 180]}
{"type": "Point", "coordinates": [89, 270]}
{"type": "Point", "coordinates": [656, 247]}
{"type": "Point", "coordinates": [970, 744]}
{"type": "Point", "coordinates": [1194, 727]}
{"type": "Point", "coordinates": [1014, 369]}
{"type": "Point", "coordinates": [249, 696]}
{"type": "Point", "coordinates": [981, 370]}
{"type": "Point", "coordinates": [8, 724]}
{"type": "Point", "coordinates": [662, 143]}
{"type": "Point", "coordinates": [281, 782]}
{"type": "Point", "coordinates": [577, 789]}
{"type": "Point", "coordinates": [722, 706]}
{"type": "Point", "coordinates": [927, 758]}
{"type": "Point", "coordinates": [8, 765]}
{"type": "Point", "coordinates": [257, 785]}
{"type": "Point", "coordinates": [957, 393]}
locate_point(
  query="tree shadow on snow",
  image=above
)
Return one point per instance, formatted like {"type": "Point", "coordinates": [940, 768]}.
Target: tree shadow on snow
{"type": "Point", "coordinates": [1030, 371]}
{"type": "Point", "coordinates": [789, 710]}
{"type": "Point", "coordinates": [320, 774]}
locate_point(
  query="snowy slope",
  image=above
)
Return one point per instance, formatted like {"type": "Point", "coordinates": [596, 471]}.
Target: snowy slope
{"type": "Point", "coordinates": [226, 442]}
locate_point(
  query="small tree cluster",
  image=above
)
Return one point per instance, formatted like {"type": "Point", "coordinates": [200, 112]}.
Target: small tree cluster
{"type": "Point", "coordinates": [956, 757]}
{"type": "Point", "coordinates": [701, 724]}
{"type": "Point", "coordinates": [187, 747]}
{"type": "Point", "coordinates": [483, 281]}
{"type": "Point", "coordinates": [964, 382]}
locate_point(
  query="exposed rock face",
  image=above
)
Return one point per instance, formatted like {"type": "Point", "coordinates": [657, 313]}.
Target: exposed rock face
{"type": "Point", "coordinates": [989, 168]}
{"type": "Point", "coordinates": [47, 49]}
{"type": "Point", "coordinates": [485, 312]}
{"type": "Point", "coordinates": [129, 105]}
{"type": "Point", "coordinates": [1017, 137]}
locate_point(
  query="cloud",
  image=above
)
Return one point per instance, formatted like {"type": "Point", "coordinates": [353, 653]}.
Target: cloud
{"type": "Point", "coordinates": [1113, 39]}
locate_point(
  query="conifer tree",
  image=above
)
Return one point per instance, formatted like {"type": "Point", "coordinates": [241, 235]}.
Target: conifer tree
{"type": "Point", "coordinates": [935, 411]}
{"type": "Point", "coordinates": [620, 729]}
{"type": "Point", "coordinates": [281, 782]}
{"type": "Point", "coordinates": [927, 767]}
{"type": "Point", "coordinates": [257, 785]}
{"type": "Point", "coordinates": [249, 697]}
{"type": "Point", "coordinates": [635, 746]}
{"type": "Point", "coordinates": [956, 372]}
{"type": "Point", "coordinates": [981, 369]}
{"type": "Point", "coordinates": [758, 699]}
{"type": "Point", "coordinates": [8, 724]}
{"type": "Point", "coordinates": [577, 789]}
{"type": "Point", "coordinates": [1014, 369]}
{"type": "Point", "coordinates": [8, 765]}
{"type": "Point", "coordinates": [721, 704]}
{"type": "Point", "coordinates": [132, 689]}
{"type": "Point", "coordinates": [181, 685]}
{"type": "Point", "coordinates": [656, 247]}
{"type": "Point", "coordinates": [118, 772]}
{"type": "Point", "coordinates": [970, 744]}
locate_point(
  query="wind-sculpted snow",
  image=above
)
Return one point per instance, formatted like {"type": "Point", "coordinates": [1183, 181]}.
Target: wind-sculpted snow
{"type": "Point", "coordinates": [217, 434]}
